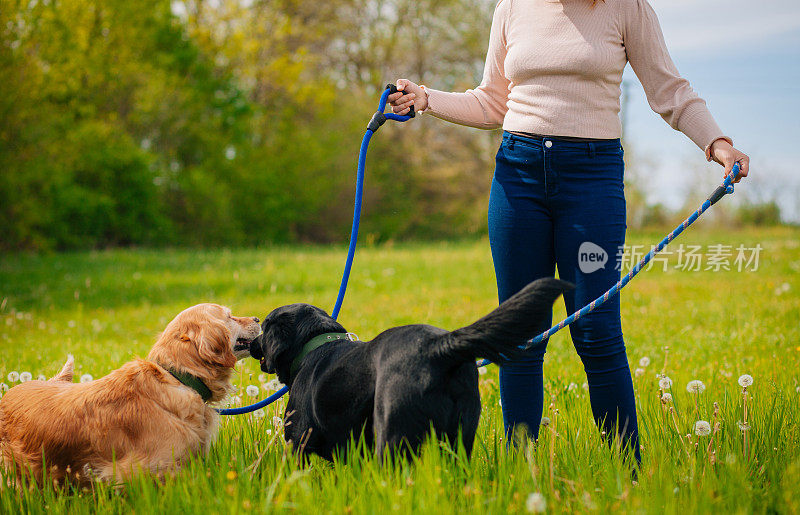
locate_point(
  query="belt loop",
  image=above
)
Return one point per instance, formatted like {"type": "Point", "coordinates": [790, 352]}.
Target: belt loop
{"type": "Point", "coordinates": [510, 141]}
{"type": "Point", "coordinates": [590, 149]}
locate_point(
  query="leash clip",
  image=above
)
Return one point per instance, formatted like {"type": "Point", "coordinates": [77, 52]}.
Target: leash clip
{"type": "Point", "coordinates": [352, 337]}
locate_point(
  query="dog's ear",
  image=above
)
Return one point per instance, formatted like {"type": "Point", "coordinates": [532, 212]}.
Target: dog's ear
{"type": "Point", "coordinates": [212, 340]}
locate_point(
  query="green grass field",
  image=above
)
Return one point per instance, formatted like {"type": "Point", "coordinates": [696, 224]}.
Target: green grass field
{"type": "Point", "coordinates": [107, 307]}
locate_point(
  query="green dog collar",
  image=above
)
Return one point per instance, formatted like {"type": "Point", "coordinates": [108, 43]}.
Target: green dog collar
{"type": "Point", "coordinates": [316, 343]}
{"type": "Point", "coordinates": [192, 382]}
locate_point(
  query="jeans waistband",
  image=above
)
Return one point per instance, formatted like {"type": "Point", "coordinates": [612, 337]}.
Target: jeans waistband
{"type": "Point", "coordinates": [593, 145]}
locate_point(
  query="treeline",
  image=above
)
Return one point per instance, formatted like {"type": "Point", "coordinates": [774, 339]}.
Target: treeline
{"type": "Point", "coordinates": [238, 122]}
{"type": "Point", "coordinates": [232, 122]}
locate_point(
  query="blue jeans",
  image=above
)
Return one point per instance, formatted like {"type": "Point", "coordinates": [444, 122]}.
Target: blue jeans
{"type": "Point", "coordinates": [557, 203]}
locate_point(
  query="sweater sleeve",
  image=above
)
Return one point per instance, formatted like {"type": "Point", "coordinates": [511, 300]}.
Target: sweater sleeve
{"type": "Point", "coordinates": [668, 94]}
{"type": "Point", "coordinates": [485, 106]}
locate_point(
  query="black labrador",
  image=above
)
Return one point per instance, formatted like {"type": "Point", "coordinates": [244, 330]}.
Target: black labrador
{"type": "Point", "coordinates": [397, 387]}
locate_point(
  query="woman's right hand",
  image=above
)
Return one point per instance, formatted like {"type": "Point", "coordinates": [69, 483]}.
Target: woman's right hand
{"type": "Point", "coordinates": [408, 94]}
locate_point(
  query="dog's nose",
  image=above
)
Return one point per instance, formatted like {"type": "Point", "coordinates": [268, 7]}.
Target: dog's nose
{"type": "Point", "coordinates": [256, 319]}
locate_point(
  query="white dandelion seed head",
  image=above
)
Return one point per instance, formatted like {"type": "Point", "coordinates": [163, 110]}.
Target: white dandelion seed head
{"type": "Point", "coordinates": [41, 377]}
{"type": "Point", "coordinates": [259, 413]}
{"type": "Point", "coordinates": [572, 386]}
{"type": "Point", "coordinates": [274, 384]}
{"type": "Point", "coordinates": [277, 421]}
{"type": "Point", "coordinates": [3, 387]}
{"type": "Point", "coordinates": [269, 432]}
{"type": "Point", "coordinates": [545, 421]}
{"type": "Point", "coordinates": [482, 370]}
{"type": "Point", "coordinates": [743, 427]}
{"type": "Point", "coordinates": [25, 377]}
{"type": "Point", "coordinates": [262, 378]}
{"type": "Point", "coordinates": [536, 503]}
{"type": "Point", "coordinates": [645, 361]}
{"type": "Point", "coordinates": [639, 372]}
{"type": "Point", "coordinates": [666, 397]}
{"type": "Point", "coordinates": [85, 378]}
{"type": "Point", "coordinates": [745, 380]}
{"type": "Point", "coordinates": [695, 386]}
{"type": "Point", "coordinates": [13, 376]}
{"type": "Point", "coordinates": [702, 428]}
{"type": "Point", "coordinates": [665, 383]}
{"type": "Point", "coordinates": [585, 386]}
{"type": "Point", "coordinates": [252, 390]}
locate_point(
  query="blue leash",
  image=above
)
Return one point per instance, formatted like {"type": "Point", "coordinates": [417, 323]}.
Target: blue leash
{"type": "Point", "coordinates": [378, 119]}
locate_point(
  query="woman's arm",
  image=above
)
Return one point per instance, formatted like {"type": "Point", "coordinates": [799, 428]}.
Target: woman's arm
{"type": "Point", "coordinates": [483, 107]}
{"type": "Point", "coordinates": [669, 94]}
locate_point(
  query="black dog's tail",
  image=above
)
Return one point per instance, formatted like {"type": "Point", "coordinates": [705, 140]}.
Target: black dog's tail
{"type": "Point", "coordinates": [498, 335]}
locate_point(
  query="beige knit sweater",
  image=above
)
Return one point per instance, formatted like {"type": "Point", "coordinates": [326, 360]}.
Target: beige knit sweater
{"type": "Point", "coordinates": [554, 68]}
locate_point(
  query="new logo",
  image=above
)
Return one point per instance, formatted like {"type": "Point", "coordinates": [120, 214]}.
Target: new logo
{"type": "Point", "coordinates": [591, 257]}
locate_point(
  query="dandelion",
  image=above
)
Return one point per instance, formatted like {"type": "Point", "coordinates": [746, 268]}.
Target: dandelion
{"type": "Point", "coordinates": [545, 421]}
{"type": "Point", "coordinates": [743, 426]}
{"type": "Point", "coordinates": [259, 413]}
{"type": "Point", "coordinates": [482, 370]}
{"type": "Point", "coordinates": [25, 377]}
{"type": "Point", "coordinates": [277, 421]}
{"type": "Point", "coordinates": [665, 383]}
{"type": "Point", "coordinates": [702, 428]}
{"type": "Point", "coordinates": [3, 387]}
{"type": "Point", "coordinates": [41, 377]}
{"type": "Point", "coordinates": [252, 390]}
{"type": "Point", "coordinates": [274, 384]}
{"type": "Point", "coordinates": [644, 361]}
{"type": "Point", "coordinates": [536, 503]}
{"type": "Point", "coordinates": [262, 378]}
{"type": "Point", "coordinates": [572, 386]}
{"type": "Point", "coordinates": [13, 376]}
{"type": "Point", "coordinates": [86, 378]}
{"type": "Point", "coordinates": [666, 397]}
{"type": "Point", "coordinates": [639, 372]}
{"type": "Point", "coordinates": [695, 386]}
{"type": "Point", "coordinates": [745, 380]}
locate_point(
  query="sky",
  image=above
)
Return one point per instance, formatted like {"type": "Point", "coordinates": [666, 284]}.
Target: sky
{"type": "Point", "coordinates": [743, 58]}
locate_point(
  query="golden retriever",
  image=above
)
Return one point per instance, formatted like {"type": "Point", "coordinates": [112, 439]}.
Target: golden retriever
{"type": "Point", "coordinates": [140, 417]}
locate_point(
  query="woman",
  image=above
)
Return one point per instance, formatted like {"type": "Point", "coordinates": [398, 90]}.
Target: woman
{"type": "Point", "coordinates": [552, 81]}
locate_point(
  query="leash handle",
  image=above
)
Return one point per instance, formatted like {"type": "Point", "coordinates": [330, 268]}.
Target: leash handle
{"type": "Point", "coordinates": [380, 117]}
{"type": "Point", "coordinates": [392, 90]}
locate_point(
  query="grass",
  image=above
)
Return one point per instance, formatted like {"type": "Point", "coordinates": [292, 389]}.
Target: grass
{"type": "Point", "coordinates": [106, 307]}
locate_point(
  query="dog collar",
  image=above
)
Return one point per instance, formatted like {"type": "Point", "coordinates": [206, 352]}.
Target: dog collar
{"type": "Point", "coordinates": [195, 383]}
{"type": "Point", "coordinates": [317, 342]}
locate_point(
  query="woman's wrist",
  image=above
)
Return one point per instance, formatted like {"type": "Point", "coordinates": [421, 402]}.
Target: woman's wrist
{"type": "Point", "coordinates": [425, 98]}
{"type": "Point", "coordinates": [709, 150]}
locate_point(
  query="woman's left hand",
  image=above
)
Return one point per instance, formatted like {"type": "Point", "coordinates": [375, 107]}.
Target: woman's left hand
{"type": "Point", "coordinates": [725, 154]}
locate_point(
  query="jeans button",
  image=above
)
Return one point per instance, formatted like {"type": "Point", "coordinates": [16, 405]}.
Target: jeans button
{"type": "Point", "coordinates": [548, 143]}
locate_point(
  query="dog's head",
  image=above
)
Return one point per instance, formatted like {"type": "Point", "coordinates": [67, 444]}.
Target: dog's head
{"type": "Point", "coordinates": [205, 340]}
{"type": "Point", "coordinates": [285, 331]}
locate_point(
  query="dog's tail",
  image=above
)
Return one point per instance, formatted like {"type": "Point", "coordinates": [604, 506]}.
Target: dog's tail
{"type": "Point", "coordinates": [66, 371]}
{"type": "Point", "coordinates": [498, 335]}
